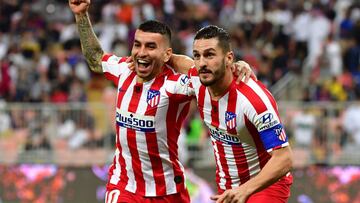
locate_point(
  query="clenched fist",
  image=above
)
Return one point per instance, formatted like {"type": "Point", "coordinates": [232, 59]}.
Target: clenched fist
{"type": "Point", "coordinates": [79, 6]}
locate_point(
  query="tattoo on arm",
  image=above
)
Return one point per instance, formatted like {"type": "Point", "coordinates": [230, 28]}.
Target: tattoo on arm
{"type": "Point", "coordinates": [90, 45]}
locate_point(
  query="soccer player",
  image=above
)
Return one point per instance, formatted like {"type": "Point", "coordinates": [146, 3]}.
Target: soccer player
{"type": "Point", "coordinates": [148, 118]}
{"type": "Point", "coordinates": [252, 153]}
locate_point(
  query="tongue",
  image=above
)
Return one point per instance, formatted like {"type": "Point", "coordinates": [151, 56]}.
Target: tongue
{"type": "Point", "coordinates": [143, 66]}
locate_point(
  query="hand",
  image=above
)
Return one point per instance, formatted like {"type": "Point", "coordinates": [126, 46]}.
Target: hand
{"type": "Point", "coordinates": [131, 64]}
{"type": "Point", "coordinates": [236, 195]}
{"type": "Point", "coordinates": [243, 71]}
{"type": "Point", "coordinates": [79, 6]}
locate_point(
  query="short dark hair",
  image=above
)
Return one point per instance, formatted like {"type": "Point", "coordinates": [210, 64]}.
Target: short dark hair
{"type": "Point", "coordinates": [156, 27]}
{"type": "Point", "coordinates": [213, 31]}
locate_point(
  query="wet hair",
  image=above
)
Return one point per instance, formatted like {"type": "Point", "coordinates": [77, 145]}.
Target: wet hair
{"type": "Point", "coordinates": [154, 26]}
{"type": "Point", "coordinates": [213, 31]}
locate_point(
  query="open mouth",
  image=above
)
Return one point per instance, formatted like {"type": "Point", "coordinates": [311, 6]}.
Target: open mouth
{"type": "Point", "coordinates": [143, 64]}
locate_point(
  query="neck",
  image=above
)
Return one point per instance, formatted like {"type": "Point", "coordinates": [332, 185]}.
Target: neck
{"type": "Point", "coordinates": [153, 75]}
{"type": "Point", "coordinates": [218, 89]}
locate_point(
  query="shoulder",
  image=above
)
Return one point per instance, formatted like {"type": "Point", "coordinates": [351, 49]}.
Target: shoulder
{"type": "Point", "coordinates": [113, 59]}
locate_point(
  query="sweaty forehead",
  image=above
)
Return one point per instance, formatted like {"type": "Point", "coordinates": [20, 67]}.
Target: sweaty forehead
{"type": "Point", "coordinates": [201, 45]}
{"type": "Point", "coordinates": [149, 37]}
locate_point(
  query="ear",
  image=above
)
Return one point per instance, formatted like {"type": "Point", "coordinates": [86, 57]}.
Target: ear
{"type": "Point", "coordinates": [229, 59]}
{"type": "Point", "coordinates": [167, 54]}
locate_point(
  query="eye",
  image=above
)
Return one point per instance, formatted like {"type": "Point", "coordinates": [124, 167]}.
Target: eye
{"type": "Point", "coordinates": [196, 56]}
{"type": "Point", "coordinates": [151, 46]}
{"type": "Point", "coordinates": [209, 55]}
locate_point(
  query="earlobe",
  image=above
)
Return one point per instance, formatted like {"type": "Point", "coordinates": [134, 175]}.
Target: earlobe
{"type": "Point", "coordinates": [230, 58]}
{"type": "Point", "coordinates": [167, 55]}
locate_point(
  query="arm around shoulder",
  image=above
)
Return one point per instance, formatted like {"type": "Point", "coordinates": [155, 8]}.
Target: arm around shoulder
{"type": "Point", "coordinates": [181, 63]}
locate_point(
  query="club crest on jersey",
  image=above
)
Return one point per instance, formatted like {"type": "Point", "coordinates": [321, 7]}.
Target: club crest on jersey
{"type": "Point", "coordinates": [184, 80]}
{"type": "Point", "coordinates": [153, 97]}
{"type": "Point", "coordinates": [279, 131]}
{"type": "Point", "coordinates": [230, 119]}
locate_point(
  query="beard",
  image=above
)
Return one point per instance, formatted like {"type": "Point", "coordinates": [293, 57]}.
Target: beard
{"type": "Point", "coordinates": [215, 76]}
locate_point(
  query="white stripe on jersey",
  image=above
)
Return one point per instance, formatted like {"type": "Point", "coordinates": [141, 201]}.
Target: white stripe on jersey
{"type": "Point", "coordinates": [253, 85]}
{"type": "Point", "coordinates": [113, 67]}
{"type": "Point", "coordinates": [130, 186]}
{"type": "Point", "coordinates": [243, 107]}
{"type": "Point", "coordinates": [252, 159]}
{"type": "Point", "coordinates": [221, 172]}
{"type": "Point", "coordinates": [142, 148]}
{"type": "Point", "coordinates": [207, 108]}
{"type": "Point", "coordinates": [115, 178]}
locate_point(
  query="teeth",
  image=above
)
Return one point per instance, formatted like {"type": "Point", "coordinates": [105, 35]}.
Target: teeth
{"type": "Point", "coordinates": [141, 61]}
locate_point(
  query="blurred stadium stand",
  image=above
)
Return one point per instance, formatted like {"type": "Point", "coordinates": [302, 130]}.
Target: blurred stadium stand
{"type": "Point", "coordinates": [57, 118]}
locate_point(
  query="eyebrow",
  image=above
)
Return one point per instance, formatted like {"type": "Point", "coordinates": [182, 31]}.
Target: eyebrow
{"type": "Point", "coordinates": [146, 43]}
{"type": "Point", "coordinates": [206, 50]}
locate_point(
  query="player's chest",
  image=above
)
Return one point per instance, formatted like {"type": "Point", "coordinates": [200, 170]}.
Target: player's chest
{"type": "Point", "coordinates": [143, 98]}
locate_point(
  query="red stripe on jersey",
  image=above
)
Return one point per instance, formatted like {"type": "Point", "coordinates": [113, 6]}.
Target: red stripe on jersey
{"type": "Point", "coordinates": [124, 87]}
{"type": "Point", "coordinates": [215, 122]}
{"type": "Point", "coordinates": [183, 114]}
{"type": "Point", "coordinates": [253, 98]}
{"type": "Point", "coordinates": [214, 113]}
{"type": "Point", "coordinates": [123, 177]}
{"type": "Point", "coordinates": [223, 162]}
{"type": "Point", "coordinates": [263, 155]}
{"type": "Point", "coordinates": [178, 97]}
{"type": "Point", "coordinates": [131, 137]}
{"type": "Point", "coordinates": [242, 166]}
{"type": "Point", "coordinates": [152, 146]}
{"type": "Point", "coordinates": [106, 57]}
{"type": "Point", "coordinates": [232, 108]}
{"type": "Point", "coordinates": [112, 78]}
{"type": "Point", "coordinates": [174, 77]}
{"type": "Point", "coordinates": [192, 72]}
{"type": "Point", "coordinates": [201, 99]}
{"type": "Point", "coordinates": [270, 97]}
{"type": "Point", "coordinates": [123, 59]}
{"type": "Point", "coordinates": [173, 132]}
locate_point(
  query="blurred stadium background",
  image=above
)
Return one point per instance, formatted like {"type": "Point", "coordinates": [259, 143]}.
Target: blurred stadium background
{"type": "Point", "coordinates": [56, 117]}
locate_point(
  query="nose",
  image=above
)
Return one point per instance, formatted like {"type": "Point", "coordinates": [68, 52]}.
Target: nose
{"type": "Point", "coordinates": [202, 62]}
{"type": "Point", "coordinates": [142, 51]}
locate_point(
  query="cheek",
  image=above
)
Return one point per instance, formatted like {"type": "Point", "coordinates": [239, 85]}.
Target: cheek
{"type": "Point", "coordinates": [133, 51]}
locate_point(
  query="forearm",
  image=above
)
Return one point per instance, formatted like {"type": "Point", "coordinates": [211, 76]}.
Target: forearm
{"type": "Point", "coordinates": [181, 63]}
{"type": "Point", "coordinates": [90, 45]}
{"type": "Point", "coordinates": [278, 166]}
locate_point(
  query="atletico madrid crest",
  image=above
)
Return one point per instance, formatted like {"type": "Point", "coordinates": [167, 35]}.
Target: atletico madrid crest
{"type": "Point", "coordinates": [153, 97]}
{"type": "Point", "coordinates": [230, 119]}
{"type": "Point", "coordinates": [280, 132]}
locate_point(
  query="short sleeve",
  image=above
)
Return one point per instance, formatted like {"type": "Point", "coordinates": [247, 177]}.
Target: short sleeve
{"type": "Point", "coordinates": [113, 66]}
{"type": "Point", "coordinates": [260, 108]}
{"type": "Point", "coordinates": [179, 87]}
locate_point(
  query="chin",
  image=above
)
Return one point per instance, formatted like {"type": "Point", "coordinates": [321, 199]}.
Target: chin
{"type": "Point", "coordinates": [206, 82]}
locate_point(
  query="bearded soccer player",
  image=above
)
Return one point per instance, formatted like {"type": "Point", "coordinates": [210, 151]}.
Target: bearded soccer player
{"type": "Point", "coordinates": [252, 153]}
{"type": "Point", "coordinates": [148, 119]}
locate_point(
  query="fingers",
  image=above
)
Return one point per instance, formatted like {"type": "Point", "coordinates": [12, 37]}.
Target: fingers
{"type": "Point", "coordinates": [129, 60]}
{"type": "Point", "coordinates": [243, 71]}
{"type": "Point", "coordinates": [214, 197]}
{"type": "Point", "coordinates": [221, 199]}
{"type": "Point", "coordinates": [253, 76]}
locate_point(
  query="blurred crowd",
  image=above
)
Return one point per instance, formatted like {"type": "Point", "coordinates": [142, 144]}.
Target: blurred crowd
{"type": "Point", "coordinates": [41, 59]}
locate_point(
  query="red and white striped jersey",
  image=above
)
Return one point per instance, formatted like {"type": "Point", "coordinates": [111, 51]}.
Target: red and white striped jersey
{"type": "Point", "coordinates": [244, 126]}
{"type": "Point", "coordinates": [148, 122]}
